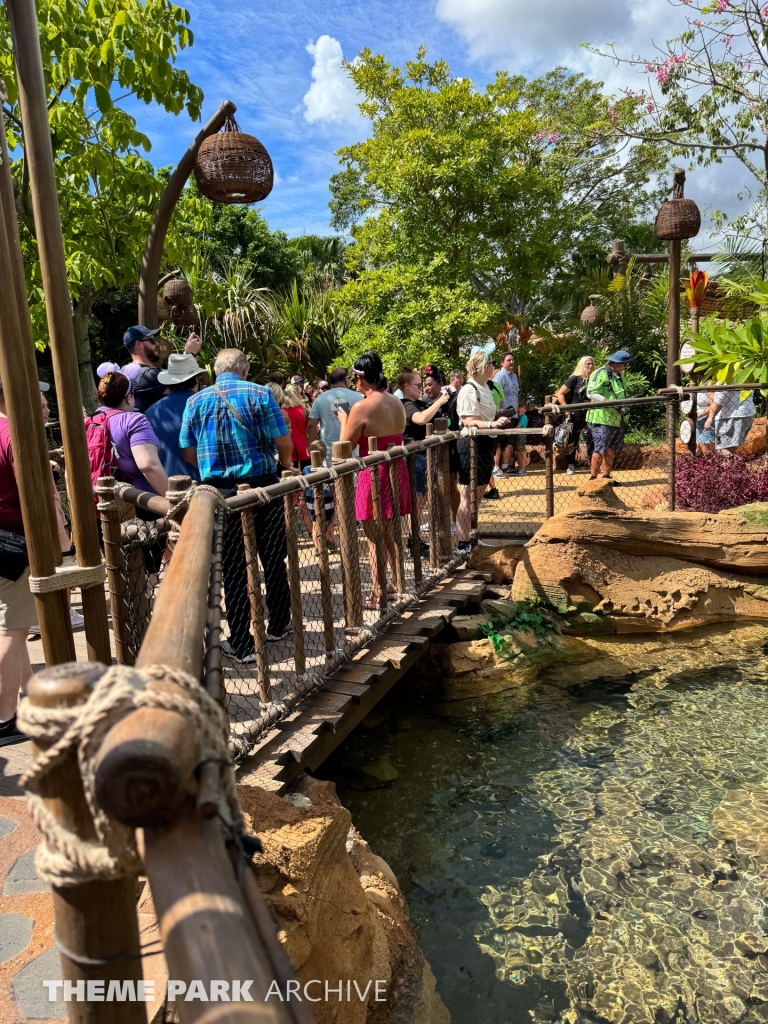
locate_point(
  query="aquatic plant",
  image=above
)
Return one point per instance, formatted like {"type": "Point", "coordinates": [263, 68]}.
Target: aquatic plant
{"type": "Point", "coordinates": [534, 615]}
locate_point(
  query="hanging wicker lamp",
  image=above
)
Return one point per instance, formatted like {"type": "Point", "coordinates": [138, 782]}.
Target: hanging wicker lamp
{"type": "Point", "coordinates": [232, 167]}
{"type": "Point", "coordinates": [591, 314]}
{"type": "Point", "coordinates": [679, 217]}
{"type": "Point", "coordinates": [177, 292]}
{"type": "Point", "coordinates": [185, 315]}
{"type": "Point", "coordinates": [163, 310]}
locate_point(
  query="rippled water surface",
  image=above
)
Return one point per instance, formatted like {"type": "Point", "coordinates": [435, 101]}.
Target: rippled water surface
{"type": "Point", "coordinates": [582, 854]}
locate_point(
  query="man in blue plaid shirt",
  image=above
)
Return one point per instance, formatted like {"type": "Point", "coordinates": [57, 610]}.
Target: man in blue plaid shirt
{"type": "Point", "coordinates": [235, 434]}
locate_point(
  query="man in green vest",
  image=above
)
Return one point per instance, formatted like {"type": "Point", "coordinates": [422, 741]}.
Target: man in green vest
{"type": "Point", "coordinates": [607, 384]}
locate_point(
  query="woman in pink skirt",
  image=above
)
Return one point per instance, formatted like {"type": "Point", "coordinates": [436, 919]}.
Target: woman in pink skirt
{"type": "Point", "coordinates": [382, 416]}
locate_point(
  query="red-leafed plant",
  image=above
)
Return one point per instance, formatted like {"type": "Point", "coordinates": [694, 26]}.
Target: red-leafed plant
{"type": "Point", "coordinates": [712, 483]}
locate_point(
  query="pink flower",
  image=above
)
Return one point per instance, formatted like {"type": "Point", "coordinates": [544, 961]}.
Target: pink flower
{"type": "Point", "coordinates": [662, 75]}
{"type": "Point", "coordinates": [539, 136]}
{"type": "Point", "coordinates": [650, 68]}
{"type": "Point", "coordinates": [727, 40]}
{"type": "Point", "coordinates": [650, 107]}
{"type": "Point", "coordinates": [764, 12]}
{"type": "Point", "coordinates": [553, 136]}
{"type": "Point", "coordinates": [698, 23]}
{"type": "Point", "coordinates": [721, 5]}
{"type": "Point", "coordinates": [611, 112]}
{"type": "Point", "coordinates": [749, 65]}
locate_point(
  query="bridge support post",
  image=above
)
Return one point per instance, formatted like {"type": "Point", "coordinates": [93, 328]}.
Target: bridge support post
{"type": "Point", "coordinates": [350, 549]}
{"type": "Point", "coordinates": [255, 602]}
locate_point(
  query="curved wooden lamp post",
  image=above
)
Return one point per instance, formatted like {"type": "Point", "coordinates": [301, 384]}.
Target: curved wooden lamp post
{"type": "Point", "coordinates": [153, 253]}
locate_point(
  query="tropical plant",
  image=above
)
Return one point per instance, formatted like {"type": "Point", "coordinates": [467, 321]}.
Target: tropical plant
{"type": "Point", "coordinates": [97, 56]}
{"type": "Point", "coordinates": [312, 325]}
{"type": "Point", "coordinates": [731, 353]}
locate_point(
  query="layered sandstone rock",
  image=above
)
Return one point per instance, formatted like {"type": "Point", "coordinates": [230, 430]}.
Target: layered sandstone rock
{"type": "Point", "coordinates": [340, 913]}
{"type": "Point", "coordinates": [500, 562]}
{"type": "Point", "coordinates": [659, 571]}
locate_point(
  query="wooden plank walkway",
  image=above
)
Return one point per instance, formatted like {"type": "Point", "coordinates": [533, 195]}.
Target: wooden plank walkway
{"type": "Point", "coordinates": [323, 720]}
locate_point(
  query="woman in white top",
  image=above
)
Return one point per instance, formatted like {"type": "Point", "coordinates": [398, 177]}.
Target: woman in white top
{"type": "Point", "coordinates": [732, 413]}
{"type": "Point", "coordinates": [476, 408]}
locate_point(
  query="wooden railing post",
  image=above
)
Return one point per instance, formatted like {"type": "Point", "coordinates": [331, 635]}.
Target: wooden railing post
{"type": "Point", "coordinates": [433, 501]}
{"type": "Point", "coordinates": [397, 530]}
{"type": "Point", "coordinates": [136, 580]}
{"type": "Point", "coordinates": [672, 407]}
{"type": "Point", "coordinates": [473, 502]}
{"type": "Point", "coordinates": [415, 523]}
{"type": "Point", "coordinates": [444, 491]}
{"type": "Point", "coordinates": [377, 526]}
{"type": "Point", "coordinates": [255, 602]}
{"type": "Point", "coordinates": [94, 920]}
{"type": "Point", "coordinates": [294, 581]}
{"type": "Point", "coordinates": [323, 561]}
{"type": "Point", "coordinates": [549, 472]}
{"type": "Point", "coordinates": [111, 518]}
{"type": "Point", "coordinates": [350, 549]}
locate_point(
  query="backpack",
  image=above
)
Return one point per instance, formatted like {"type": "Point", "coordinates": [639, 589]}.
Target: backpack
{"type": "Point", "coordinates": [449, 412]}
{"type": "Point", "coordinates": [102, 454]}
{"type": "Point", "coordinates": [562, 439]}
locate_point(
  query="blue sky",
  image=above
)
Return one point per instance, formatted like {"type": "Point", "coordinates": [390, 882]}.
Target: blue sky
{"type": "Point", "coordinates": [279, 61]}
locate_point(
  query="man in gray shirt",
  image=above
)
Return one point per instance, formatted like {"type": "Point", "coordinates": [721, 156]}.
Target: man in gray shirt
{"type": "Point", "coordinates": [323, 416]}
{"type": "Point", "coordinates": [507, 379]}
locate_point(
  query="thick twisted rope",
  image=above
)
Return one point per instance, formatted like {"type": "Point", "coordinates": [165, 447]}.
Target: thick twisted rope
{"type": "Point", "coordinates": [64, 858]}
{"type": "Point", "coordinates": [67, 576]}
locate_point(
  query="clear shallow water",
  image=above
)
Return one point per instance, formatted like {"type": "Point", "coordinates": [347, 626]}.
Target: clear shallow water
{"type": "Point", "coordinates": [583, 854]}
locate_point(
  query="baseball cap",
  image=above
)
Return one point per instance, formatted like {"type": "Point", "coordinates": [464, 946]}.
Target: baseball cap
{"type": "Point", "coordinates": [323, 385]}
{"type": "Point", "coordinates": [297, 380]}
{"type": "Point", "coordinates": [138, 333]}
{"type": "Point", "coordinates": [622, 356]}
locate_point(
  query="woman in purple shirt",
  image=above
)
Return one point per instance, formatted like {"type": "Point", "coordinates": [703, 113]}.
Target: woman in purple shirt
{"type": "Point", "coordinates": [132, 435]}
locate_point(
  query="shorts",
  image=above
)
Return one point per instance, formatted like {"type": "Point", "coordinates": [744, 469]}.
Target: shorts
{"type": "Point", "coordinates": [17, 605]}
{"type": "Point", "coordinates": [453, 458]}
{"type": "Point", "coordinates": [486, 449]}
{"type": "Point", "coordinates": [731, 433]}
{"type": "Point", "coordinates": [420, 472]}
{"type": "Point", "coordinates": [519, 444]}
{"type": "Point", "coordinates": [606, 438]}
{"type": "Point", "coordinates": [704, 436]}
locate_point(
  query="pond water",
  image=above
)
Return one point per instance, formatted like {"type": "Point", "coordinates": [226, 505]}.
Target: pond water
{"type": "Point", "coordinates": [582, 853]}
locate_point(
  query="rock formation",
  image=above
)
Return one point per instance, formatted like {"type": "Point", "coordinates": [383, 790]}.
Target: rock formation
{"type": "Point", "coordinates": [648, 571]}
{"type": "Point", "coordinates": [339, 909]}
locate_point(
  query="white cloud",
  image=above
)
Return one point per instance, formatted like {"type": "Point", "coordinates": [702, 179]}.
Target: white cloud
{"type": "Point", "coordinates": [332, 95]}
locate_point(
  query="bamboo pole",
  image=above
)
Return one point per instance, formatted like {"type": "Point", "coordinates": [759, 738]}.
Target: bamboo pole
{"type": "Point", "coordinates": [350, 550]}
{"type": "Point", "coordinates": [323, 560]}
{"type": "Point", "coordinates": [294, 582]}
{"type": "Point", "coordinates": [38, 154]}
{"type": "Point", "coordinates": [21, 392]}
{"type": "Point", "coordinates": [111, 519]}
{"type": "Point", "coordinates": [94, 920]}
{"type": "Point", "coordinates": [256, 602]}
{"type": "Point", "coordinates": [433, 501]}
{"type": "Point", "coordinates": [415, 524]}
{"type": "Point", "coordinates": [397, 530]}
{"type": "Point", "coordinates": [378, 527]}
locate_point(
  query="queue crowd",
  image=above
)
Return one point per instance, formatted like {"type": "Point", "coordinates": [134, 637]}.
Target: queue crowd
{"type": "Point", "coordinates": [153, 423]}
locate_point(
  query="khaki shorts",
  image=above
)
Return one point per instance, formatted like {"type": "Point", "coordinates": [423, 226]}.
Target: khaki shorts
{"type": "Point", "coordinates": [17, 605]}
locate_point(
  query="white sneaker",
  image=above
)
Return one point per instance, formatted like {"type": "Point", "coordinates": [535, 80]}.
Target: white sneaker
{"type": "Point", "coordinates": [453, 529]}
{"type": "Point", "coordinates": [34, 631]}
{"type": "Point", "coordinates": [77, 620]}
{"type": "Point", "coordinates": [570, 471]}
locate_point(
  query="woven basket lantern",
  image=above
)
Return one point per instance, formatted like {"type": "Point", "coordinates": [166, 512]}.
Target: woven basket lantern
{"type": "Point", "coordinates": [591, 313]}
{"type": "Point", "coordinates": [678, 217]}
{"type": "Point", "coordinates": [163, 310]}
{"type": "Point", "coordinates": [185, 315]}
{"type": "Point", "coordinates": [232, 167]}
{"type": "Point", "coordinates": [177, 292]}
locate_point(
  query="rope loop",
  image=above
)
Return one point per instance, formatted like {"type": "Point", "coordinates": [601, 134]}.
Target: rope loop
{"type": "Point", "coordinates": [64, 858]}
{"type": "Point", "coordinates": [66, 576]}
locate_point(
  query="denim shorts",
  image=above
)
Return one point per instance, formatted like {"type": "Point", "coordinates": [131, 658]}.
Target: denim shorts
{"type": "Point", "coordinates": [420, 471]}
{"type": "Point", "coordinates": [607, 438]}
{"type": "Point", "coordinates": [704, 436]}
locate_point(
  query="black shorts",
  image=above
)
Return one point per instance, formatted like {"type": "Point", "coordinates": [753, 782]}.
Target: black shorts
{"type": "Point", "coordinates": [453, 458]}
{"type": "Point", "coordinates": [486, 449]}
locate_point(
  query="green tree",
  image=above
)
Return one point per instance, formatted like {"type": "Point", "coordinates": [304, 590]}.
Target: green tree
{"type": "Point", "coordinates": [241, 233]}
{"type": "Point", "coordinates": [462, 202]}
{"type": "Point", "coordinates": [98, 53]}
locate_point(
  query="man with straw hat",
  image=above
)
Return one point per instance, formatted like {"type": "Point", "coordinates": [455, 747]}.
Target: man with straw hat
{"type": "Point", "coordinates": [182, 378]}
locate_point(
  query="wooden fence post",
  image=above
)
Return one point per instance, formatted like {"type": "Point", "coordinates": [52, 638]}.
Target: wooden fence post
{"type": "Point", "coordinates": [378, 528]}
{"type": "Point", "coordinates": [549, 472]}
{"type": "Point", "coordinates": [473, 502]}
{"type": "Point", "coordinates": [433, 499]}
{"type": "Point", "coordinates": [415, 523]}
{"type": "Point", "coordinates": [294, 581]}
{"type": "Point", "coordinates": [444, 490]}
{"type": "Point", "coordinates": [350, 549]}
{"type": "Point", "coordinates": [136, 580]}
{"type": "Point", "coordinates": [672, 406]}
{"type": "Point", "coordinates": [323, 561]}
{"type": "Point", "coordinates": [94, 920]}
{"type": "Point", "coordinates": [397, 529]}
{"type": "Point", "coordinates": [111, 518]}
{"type": "Point", "coordinates": [255, 602]}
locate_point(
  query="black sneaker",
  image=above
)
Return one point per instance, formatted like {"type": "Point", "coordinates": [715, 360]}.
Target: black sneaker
{"type": "Point", "coordinates": [272, 637]}
{"type": "Point", "coordinates": [493, 494]}
{"type": "Point", "coordinates": [463, 548]}
{"type": "Point", "coordinates": [10, 734]}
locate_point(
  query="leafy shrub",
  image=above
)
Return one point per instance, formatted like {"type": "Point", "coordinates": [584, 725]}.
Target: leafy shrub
{"type": "Point", "coordinates": [712, 483]}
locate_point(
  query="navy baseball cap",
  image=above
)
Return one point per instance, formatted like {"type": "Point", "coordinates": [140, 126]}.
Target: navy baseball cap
{"type": "Point", "coordinates": [138, 333]}
{"type": "Point", "coordinates": [622, 356]}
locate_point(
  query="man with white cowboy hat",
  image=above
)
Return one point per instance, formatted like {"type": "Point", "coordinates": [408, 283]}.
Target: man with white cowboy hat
{"type": "Point", "coordinates": [182, 378]}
